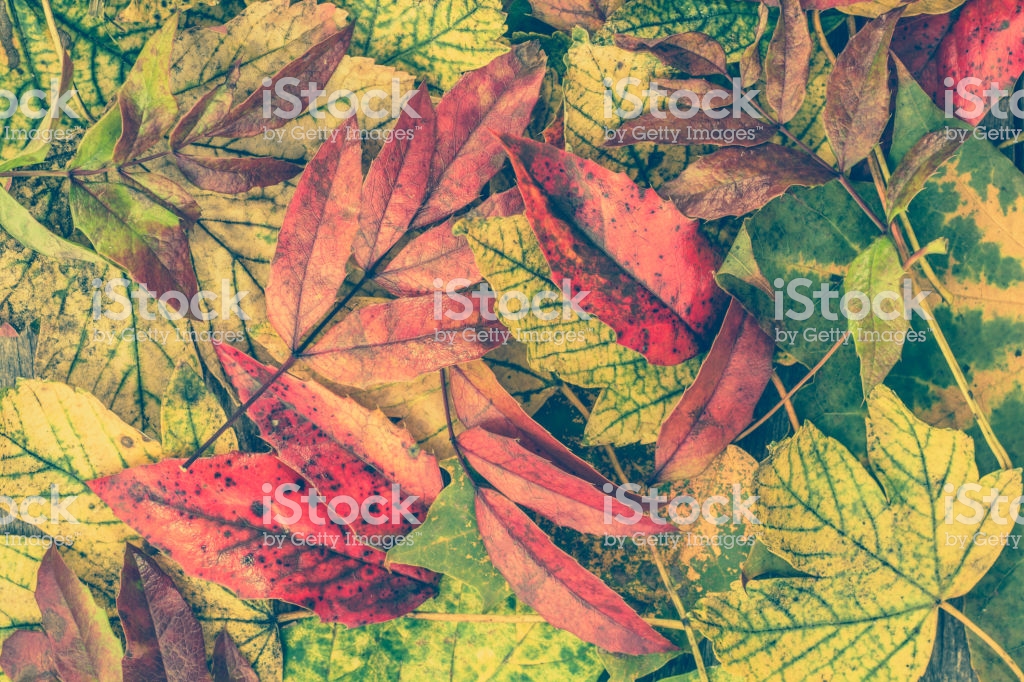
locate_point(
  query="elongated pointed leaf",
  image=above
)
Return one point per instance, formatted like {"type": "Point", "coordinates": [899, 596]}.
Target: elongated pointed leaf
{"type": "Point", "coordinates": [137, 233]}
{"type": "Point", "coordinates": [229, 665]}
{"type": "Point", "coordinates": [660, 299]}
{"type": "Point", "coordinates": [788, 63]}
{"type": "Point", "coordinates": [397, 181]}
{"type": "Point", "coordinates": [316, 238]}
{"type": "Point", "coordinates": [857, 96]}
{"type": "Point", "coordinates": [720, 402]}
{"type": "Point", "coordinates": [694, 53]}
{"type": "Point", "coordinates": [494, 100]}
{"type": "Point", "coordinates": [480, 400]}
{"type": "Point", "coordinates": [83, 645]}
{"type": "Point", "coordinates": [734, 181]}
{"type": "Point", "coordinates": [418, 334]}
{"type": "Point", "coordinates": [534, 482]}
{"type": "Point", "coordinates": [234, 175]}
{"type": "Point", "coordinates": [555, 585]}
{"type": "Point", "coordinates": [212, 520]}
{"type": "Point", "coordinates": [148, 109]}
{"type": "Point", "coordinates": [919, 164]}
{"type": "Point", "coordinates": [165, 641]}
{"type": "Point", "coordinates": [314, 68]}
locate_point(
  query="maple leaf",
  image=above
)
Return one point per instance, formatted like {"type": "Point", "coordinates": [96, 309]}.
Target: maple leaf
{"type": "Point", "coordinates": [880, 550]}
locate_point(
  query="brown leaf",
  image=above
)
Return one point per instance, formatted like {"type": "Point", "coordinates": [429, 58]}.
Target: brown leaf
{"type": "Point", "coordinates": [694, 53]}
{"type": "Point", "coordinates": [27, 657]}
{"type": "Point", "coordinates": [564, 14]}
{"type": "Point", "coordinates": [788, 62]}
{"type": "Point", "coordinates": [315, 66]}
{"type": "Point", "coordinates": [734, 181]}
{"type": "Point", "coordinates": [229, 665]}
{"type": "Point", "coordinates": [165, 641]}
{"type": "Point", "coordinates": [857, 94]}
{"type": "Point", "coordinates": [720, 402]}
{"type": "Point", "coordinates": [83, 645]}
{"type": "Point", "coordinates": [555, 585]}
{"type": "Point", "coordinates": [234, 175]}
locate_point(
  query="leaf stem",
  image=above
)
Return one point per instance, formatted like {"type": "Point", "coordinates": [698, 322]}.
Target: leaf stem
{"type": "Point", "coordinates": [516, 618]}
{"type": "Point", "coordinates": [983, 636]}
{"type": "Point", "coordinates": [822, 38]}
{"type": "Point", "coordinates": [800, 384]}
{"type": "Point", "coordinates": [784, 395]}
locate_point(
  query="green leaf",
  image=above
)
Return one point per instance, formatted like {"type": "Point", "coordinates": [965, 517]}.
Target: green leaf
{"type": "Point", "coordinates": [437, 41]}
{"type": "Point", "coordinates": [879, 342]}
{"type": "Point", "coordinates": [626, 668]}
{"type": "Point", "coordinates": [877, 547]}
{"type": "Point", "coordinates": [19, 223]}
{"type": "Point", "coordinates": [409, 650]}
{"type": "Point", "coordinates": [449, 542]}
{"type": "Point", "coordinates": [733, 23]}
{"type": "Point", "coordinates": [637, 395]}
{"type": "Point", "coordinates": [189, 414]}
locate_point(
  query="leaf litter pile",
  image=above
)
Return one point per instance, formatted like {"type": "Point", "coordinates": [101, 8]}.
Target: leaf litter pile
{"type": "Point", "coordinates": [477, 340]}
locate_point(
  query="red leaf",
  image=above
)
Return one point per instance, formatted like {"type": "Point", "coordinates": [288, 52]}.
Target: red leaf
{"type": "Point", "coordinates": [720, 402]}
{"type": "Point", "coordinates": [27, 657]}
{"type": "Point", "coordinates": [210, 519]}
{"type": "Point", "coordinates": [83, 646]}
{"type": "Point", "coordinates": [229, 665]}
{"type": "Point", "coordinates": [315, 66]}
{"type": "Point", "coordinates": [558, 588]}
{"type": "Point", "coordinates": [534, 482]}
{"type": "Point", "coordinates": [396, 182]}
{"type": "Point", "coordinates": [648, 269]}
{"type": "Point", "coordinates": [435, 254]}
{"type": "Point", "coordinates": [983, 42]}
{"type": "Point", "coordinates": [400, 340]}
{"type": "Point", "coordinates": [234, 175]}
{"type": "Point", "coordinates": [165, 641]}
{"type": "Point", "coordinates": [497, 98]}
{"type": "Point", "coordinates": [316, 237]}
{"type": "Point", "coordinates": [439, 254]}
{"type": "Point", "coordinates": [479, 400]}
{"type": "Point", "coordinates": [334, 441]}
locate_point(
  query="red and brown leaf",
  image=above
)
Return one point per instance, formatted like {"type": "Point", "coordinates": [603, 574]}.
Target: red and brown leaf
{"type": "Point", "coordinates": [496, 99]}
{"type": "Point", "coordinates": [83, 646]}
{"type": "Point", "coordinates": [720, 402]}
{"type": "Point", "coordinates": [694, 53]}
{"type": "Point", "coordinates": [418, 334]}
{"type": "Point", "coordinates": [396, 182]}
{"type": "Point", "coordinates": [229, 665]}
{"type": "Point", "coordinates": [27, 657]}
{"type": "Point", "coordinates": [315, 66]}
{"type": "Point", "coordinates": [480, 400]}
{"type": "Point", "coordinates": [234, 175]}
{"type": "Point", "coordinates": [788, 63]}
{"type": "Point", "coordinates": [165, 641]}
{"type": "Point", "coordinates": [555, 585]}
{"type": "Point", "coordinates": [533, 481]}
{"type": "Point", "coordinates": [647, 268]}
{"type": "Point", "coordinates": [215, 519]}
{"type": "Point", "coordinates": [316, 237]}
